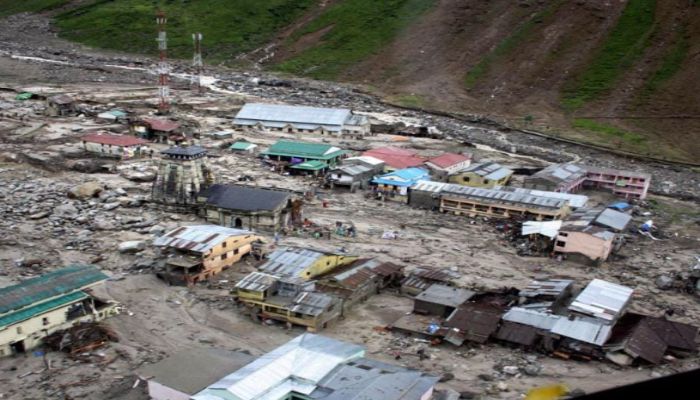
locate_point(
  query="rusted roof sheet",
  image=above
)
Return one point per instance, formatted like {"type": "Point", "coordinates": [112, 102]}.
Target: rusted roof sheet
{"type": "Point", "coordinates": [434, 274]}
{"type": "Point", "coordinates": [162, 125]}
{"type": "Point", "coordinates": [198, 238]}
{"type": "Point", "coordinates": [114, 140]}
{"type": "Point", "coordinates": [311, 303]}
{"type": "Point", "coordinates": [353, 275]}
{"type": "Point", "coordinates": [256, 282]}
{"type": "Point", "coordinates": [550, 287]}
{"type": "Point", "coordinates": [517, 333]}
{"type": "Point", "coordinates": [602, 299]}
{"type": "Point", "coordinates": [445, 295]}
{"type": "Point", "coordinates": [387, 269]}
{"type": "Point", "coordinates": [476, 321]}
{"type": "Point", "coordinates": [676, 334]}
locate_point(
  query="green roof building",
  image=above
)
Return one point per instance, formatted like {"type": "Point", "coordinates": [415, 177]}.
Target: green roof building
{"type": "Point", "coordinates": [299, 152]}
{"type": "Point", "coordinates": [39, 306]}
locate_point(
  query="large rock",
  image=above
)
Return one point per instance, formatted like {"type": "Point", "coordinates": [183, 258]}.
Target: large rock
{"type": "Point", "coordinates": [67, 211]}
{"type": "Point", "coordinates": [102, 224]}
{"type": "Point", "coordinates": [664, 282]}
{"type": "Point", "coordinates": [139, 176]}
{"type": "Point", "coordinates": [86, 190]}
{"type": "Point", "coordinates": [133, 246]}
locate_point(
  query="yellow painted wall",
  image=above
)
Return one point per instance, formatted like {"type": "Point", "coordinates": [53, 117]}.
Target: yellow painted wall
{"type": "Point", "coordinates": [325, 264]}
{"type": "Point", "coordinates": [212, 259]}
{"type": "Point", "coordinates": [250, 295]}
{"type": "Point", "coordinates": [476, 180]}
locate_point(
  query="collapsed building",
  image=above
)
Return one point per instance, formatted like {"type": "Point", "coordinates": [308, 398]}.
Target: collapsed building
{"type": "Point", "coordinates": [198, 252]}
{"type": "Point", "coordinates": [60, 105]}
{"type": "Point", "coordinates": [301, 119]}
{"type": "Point", "coordinates": [422, 278]}
{"type": "Point", "coordinates": [592, 234]}
{"type": "Point", "coordinates": [252, 208]}
{"type": "Point", "coordinates": [37, 307]}
{"type": "Point", "coordinates": [316, 367]}
{"type": "Point", "coordinates": [182, 173]}
{"type": "Point", "coordinates": [355, 172]}
{"type": "Point", "coordinates": [158, 130]}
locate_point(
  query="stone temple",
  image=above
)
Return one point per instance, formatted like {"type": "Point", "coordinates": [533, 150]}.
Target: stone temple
{"type": "Point", "coordinates": [182, 173]}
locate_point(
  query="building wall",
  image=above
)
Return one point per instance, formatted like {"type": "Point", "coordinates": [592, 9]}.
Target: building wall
{"type": "Point", "coordinates": [426, 307]}
{"type": "Point", "coordinates": [475, 180]}
{"type": "Point", "coordinates": [325, 264]}
{"type": "Point", "coordinates": [228, 252]}
{"type": "Point", "coordinates": [109, 150]}
{"type": "Point", "coordinates": [583, 243]}
{"type": "Point", "coordinates": [453, 169]}
{"type": "Point", "coordinates": [33, 330]}
{"type": "Point", "coordinates": [422, 199]}
{"type": "Point", "coordinates": [462, 205]}
{"type": "Point", "coordinates": [267, 221]}
{"type": "Point", "coordinates": [179, 181]}
{"type": "Point", "coordinates": [158, 391]}
{"type": "Point", "coordinates": [537, 183]}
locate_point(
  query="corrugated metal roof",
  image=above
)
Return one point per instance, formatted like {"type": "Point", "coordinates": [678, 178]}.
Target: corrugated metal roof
{"type": "Point", "coordinates": [445, 295]}
{"type": "Point", "coordinates": [198, 238]}
{"type": "Point", "coordinates": [188, 151]}
{"type": "Point", "coordinates": [311, 303]}
{"type": "Point", "coordinates": [41, 308]}
{"type": "Point", "coordinates": [550, 287]}
{"type": "Point", "coordinates": [369, 160]}
{"type": "Point", "coordinates": [306, 360]}
{"type": "Point", "coordinates": [395, 157]}
{"type": "Point", "coordinates": [162, 125]}
{"type": "Point", "coordinates": [242, 146]}
{"type": "Point", "coordinates": [546, 228]}
{"type": "Point", "coordinates": [291, 261]}
{"type": "Point", "coordinates": [333, 118]}
{"type": "Point", "coordinates": [45, 287]}
{"type": "Point", "coordinates": [602, 299]}
{"type": "Point", "coordinates": [256, 282]}
{"type": "Point", "coordinates": [495, 196]}
{"type": "Point", "coordinates": [352, 170]}
{"type": "Point", "coordinates": [428, 186]}
{"type": "Point", "coordinates": [311, 165]}
{"type": "Point", "coordinates": [387, 268]}
{"type": "Point", "coordinates": [586, 330]}
{"type": "Point", "coordinates": [535, 318]}
{"type": "Point", "coordinates": [304, 150]}
{"type": "Point", "coordinates": [447, 160]}
{"type": "Point", "coordinates": [561, 173]}
{"type": "Point", "coordinates": [403, 177]}
{"type": "Point", "coordinates": [488, 170]}
{"type": "Point", "coordinates": [575, 200]}
{"type": "Point", "coordinates": [114, 140]}
{"type": "Point", "coordinates": [517, 333]}
{"type": "Point", "coordinates": [613, 219]}
{"type": "Point", "coordinates": [475, 322]}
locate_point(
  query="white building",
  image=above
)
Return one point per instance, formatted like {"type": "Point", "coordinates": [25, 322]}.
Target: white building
{"type": "Point", "coordinates": [109, 145]}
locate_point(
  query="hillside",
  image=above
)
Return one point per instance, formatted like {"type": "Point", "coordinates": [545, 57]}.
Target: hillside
{"type": "Point", "coordinates": [618, 74]}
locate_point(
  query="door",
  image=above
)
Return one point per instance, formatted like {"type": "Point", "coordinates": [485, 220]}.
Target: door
{"type": "Point", "coordinates": [18, 347]}
{"type": "Point", "coordinates": [238, 223]}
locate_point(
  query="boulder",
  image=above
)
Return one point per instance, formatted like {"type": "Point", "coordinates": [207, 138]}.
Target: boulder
{"type": "Point", "coordinates": [139, 176]}
{"type": "Point", "coordinates": [67, 210]}
{"type": "Point", "coordinates": [664, 282]}
{"type": "Point", "coordinates": [86, 190]}
{"type": "Point", "coordinates": [132, 246]}
{"type": "Point", "coordinates": [111, 206]}
{"type": "Point", "coordinates": [102, 224]}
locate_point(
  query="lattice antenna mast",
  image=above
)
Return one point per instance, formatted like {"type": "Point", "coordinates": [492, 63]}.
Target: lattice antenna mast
{"type": "Point", "coordinates": [197, 61]}
{"type": "Point", "coordinates": [163, 66]}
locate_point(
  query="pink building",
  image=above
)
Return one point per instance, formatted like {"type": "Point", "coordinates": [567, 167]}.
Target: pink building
{"type": "Point", "coordinates": [627, 184]}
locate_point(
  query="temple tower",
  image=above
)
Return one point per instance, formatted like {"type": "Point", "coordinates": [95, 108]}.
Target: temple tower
{"type": "Point", "coordinates": [182, 173]}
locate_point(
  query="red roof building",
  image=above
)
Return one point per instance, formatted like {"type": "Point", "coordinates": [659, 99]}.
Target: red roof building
{"type": "Point", "coordinates": [449, 162]}
{"type": "Point", "coordinates": [161, 125]}
{"type": "Point", "coordinates": [113, 140]}
{"type": "Point", "coordinates": [396, 158]}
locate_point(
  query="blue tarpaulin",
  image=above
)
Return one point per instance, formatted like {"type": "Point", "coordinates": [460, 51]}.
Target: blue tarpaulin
{"type": "Point", "coordinates": [621, 206]}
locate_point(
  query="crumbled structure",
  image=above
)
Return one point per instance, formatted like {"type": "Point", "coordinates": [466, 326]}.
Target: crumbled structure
{"type": "Point", "coordinates": [355, 172]}
{"type": "Point", "coordinates": [158, 130]}
{"type": "Point", "coordinates": [290, 300]}
{"type": "Point", "coordinates": [395, 185]}
{"type": "Point", "coordinates": [109, 145]}
{"type": "Point", "coordinates": [190, 371]}
{"type": "Point", "coordinates": [60, 106]}
{"type": "Point", "coordinates": [483, 175]}
{"type": "Point", "coordinates": [570, 178]}
{"type": "Point", "coordinates": [593, 234]}
{"type": "Point", "coordinates": [444, 165]}
{"type": "Point", "coordinates": [300, 119]}
{"type": "Point", "coordinates": [565, 178]}
{"type": "Point", "coordinates": [316, 367]}
{"type": "Point", "coordinates": [289, 153]}
{"type": "Point", "coordinates": [471, 201]}
{"type": "Point", "coordinates": [182, 173]}
{"type": "Point", "coordinates": [440, 300]}
{"type": "Point", "coordinates": [303, 263]}
{"type": "Point", "coordinates": [354, 282]}
{"type": "Point", "coordinates": [421, 279]}
{"type": "Point", "coordinates": [198, 252]}
{"type": "Point", "coordinates": [246, 207]}
{"type": "Point", "coordinates": [37, 307]}
{"type": "Point", "coordinates": [395, 158]}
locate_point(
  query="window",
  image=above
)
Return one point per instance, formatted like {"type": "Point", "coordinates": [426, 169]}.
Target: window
{"type": "Point", "coordinates": [45, 321]}
{"type": "Point", "coordinates": [235, 251]}
{"type": "Point", "coordinates": [466, 179]}
{"type": "Point", "coordinates": [561, 243]}
{"type": "Point", "coordinates": [223, 244]}
{"type": "Point", "coordinates": [486, 181]}
{"type": "Point", "coordinates": [563, 234]}
{"type": "Point", "coordinates": [224, 256]}
{"type": "Point", "coordinates": [19, 330]}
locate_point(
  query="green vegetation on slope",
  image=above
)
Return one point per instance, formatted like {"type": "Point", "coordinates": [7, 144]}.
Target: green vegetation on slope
{"type": "Point", "coordinates": [671, 63]}
{"type": "Point", "coordinates": [359, 29]}
{"type": "Point", "coordinates": [622, 47]}
{"type": "Point", "coordinates": [229, 26]}
{"type": "Point", "coordinates": [8, 7]}
{"type": "Point", "coordinates": [508, 44]}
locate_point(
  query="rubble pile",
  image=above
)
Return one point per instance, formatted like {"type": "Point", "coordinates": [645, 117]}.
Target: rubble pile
{"type": "Point", "coordinates": [81, 338]}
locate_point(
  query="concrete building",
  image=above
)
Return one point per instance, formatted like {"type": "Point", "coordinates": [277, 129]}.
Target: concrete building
{"type": "Point", "coordinates": [301, 119]}
{"type": "Point", "coordinates": [60, 106]}
{"type": "Point", "coordinates": [303, 263]}
{"type": "Point", "coordinates": [292, 153]}
{"type": "Point", "coordinates": [565, 178]}
{"type": "Point", "coordinates": [182, 173]}
{"type": "Point", "coordinates": [199, 252]}
{"type": "Point", "coordinates": [591, 234]}
{"type": "Point", "coordinates": [626, 184]}
{"type": "Point", "coordinates": [444, 165]}
{"type": "Point", "coordinates": [316, 367]}
{"type": "Point", "coordinates": [352, 283]}
{"type": "Point", "coordinates": [190, 371]}
{"type": "Point", "coordinates": [119, 146]}
{"type": "Point", "coordinates": [246, 207]}
{"type": "Point", "coordinates": [38, 307]}
{"type": "Point", "coordinates": [395, 185]}
{"type": "Point", "coordinates": [395, 158]}
{"type": "Point", "coordinates": [243, 147]}
{"type": "Point", "coordinates": [483, 175]}
{"type": "Point", "coordinates": [158, 130]}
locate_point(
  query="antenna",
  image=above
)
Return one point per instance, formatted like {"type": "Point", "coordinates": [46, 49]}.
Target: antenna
{"type": "Point", "coordinates": [163, 67]}
{"type": "Point", "coordinates": [197, 61]}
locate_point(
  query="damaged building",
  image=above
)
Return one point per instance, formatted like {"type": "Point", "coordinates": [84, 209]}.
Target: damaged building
{"type": "Point", "coordinates": [158, 130]}
{"type": "Point", "coordinates": [303, 263]}
{"type": "Point", "coordinates": [198, 252]}
{"type": "Point", "coordinates": [252, 208]}
{"type": "Point", "coordinates": [482, 175]}
{"type": "Point", "coordinates": [37, 307]}
{"type": "Point", "coordinates": [444, 165]}
{"type": "Point", "coordinates": [317, 367]}
{"type": "Point", "coordinates": [591, 234]}
{"type": "Point", "coordinates": [301, 119]}
{"type": "Point", "coordinates": [355, 172]}
{"type": "Point", "coordinates": [422, 278]}
{"type": "Point", "coordinates": [182, 173]}
{"type": "Point", "coordinates": [60, 105]}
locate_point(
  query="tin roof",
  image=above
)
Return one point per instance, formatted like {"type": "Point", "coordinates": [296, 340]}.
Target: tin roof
{"type": "Point", "coordinates": [40, 308]}
{"type": "Point", "coordinates": [545, 228]}
{"type": "Point", "coordinates": [488, 170]}
{"type": "Point", "coordinates": [517, 333]}
{"type": "Point", "coordinates": [447, 160]}
{"type": "Point", "coordinates": [396, 157]}
{"type": "Point", "coordinates": [561, 173]}
{"type": "Point", "coordinates": [244, 198]}
{"type": "Point", "coordinates": [353, 275]}
{"type": "Point", "coordinates": [297, 366]}
{"type": "Point", "coordinates": [496, 196]}
{"type": "Point", "coordinates": [403, 177]}
{"type": "Point", "coordinates": [586, 330]}
{"type": "Point", "coordinates": [162, 125]}
{"type": "Point", "coordinates": [188, 151]}
{"type": "Point", "coordinates": [311, 303]}
{"type": "Point", "coordinates": [549, 287]}
{"type": "Point", "coordinates": [242, 146]}
{"type": "Point", "coordinates": [428, 186]}
{"type": "Point", "coordinates": [311, 165]}
{"type": "Point", "coordinates": [198, 238]}
{"type": "Point", "coordinates": [445, 295]}
{"type": "Point", "coordinates": [575, 200]}
{"type": "Point", "coordinates": [48, 286]}
{"type": "Point", "coordinates": [535, 318]}
{"type": "Point", "coordinates": [386, 268]}
{"type": "Point", "coordinates": [475, 322]}
{"type": "Point", "coordinates": [330, 118]}
{"type": "Point", "coordinates": [256, 282]}
{"type": "Point", "coordinates": [319, 151]}
{"type": "Point", "coordinates": [291, 261]}
{"type": "Point", "coordinates": [635, 337]}
{"type": "Point", "coordinates": [368, 160]}
{"type": "Point", "coordinates": [613, 219]}
{"type": "Point", "coordinates": [114, 140]}
{"type": "Point", "coordinates": [602, 299]}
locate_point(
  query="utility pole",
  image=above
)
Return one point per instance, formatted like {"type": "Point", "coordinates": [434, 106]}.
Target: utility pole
{"type": "Point", "coordinates": [163, 67]}
{"type": "Point", "coordinates": [197, 62]}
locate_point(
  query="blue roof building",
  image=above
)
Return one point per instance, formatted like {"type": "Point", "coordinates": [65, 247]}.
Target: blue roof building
{"type": "Point", "coordinates": [402, 178]}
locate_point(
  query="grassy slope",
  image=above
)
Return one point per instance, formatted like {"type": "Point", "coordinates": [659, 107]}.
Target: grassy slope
{"type": "Point", "coordinates": [622, 47]}
{"type": "Point", "coordinates": [229, 26]}
{"type": "Point", "coordinates": [360, 28]}
{"type": "Point", "coordinates": [8, 7]}
{"type": "Point", "coordinates": [672, 61]}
